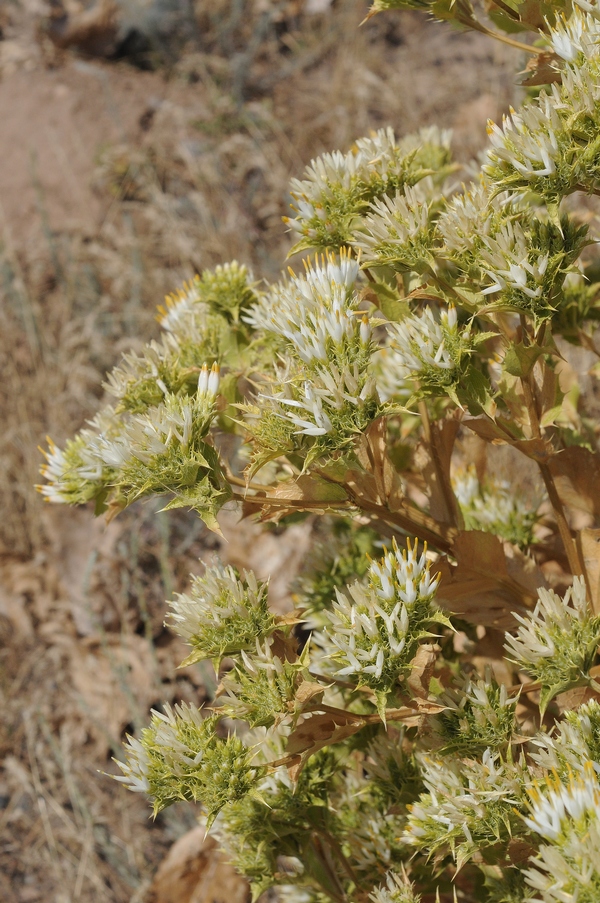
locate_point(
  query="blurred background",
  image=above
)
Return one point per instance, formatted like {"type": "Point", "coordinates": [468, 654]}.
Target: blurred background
{"type": "Point", "coordinates": [142, 141]}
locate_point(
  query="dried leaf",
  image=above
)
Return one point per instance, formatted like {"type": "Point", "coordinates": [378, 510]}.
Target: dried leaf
{"type": "Point", "coordinates": [422, 668]}
{"type": "Point", "coordinates": [309, 488]}
{"type": "Point", "coordinates": [194, 871]}
{"type": "Point", "coordinates": [538, 449]}
{"type": "Point", "coordinates": [316, 732]}
{"type": "Point", "coordinates": [588, 542]}
{"type": "Point", "coordinates": [541, 70]}
{"type": "Point", "coordinates": [307, 693]}
{"type": "Point", "coordinates": [489, 582]}
{"type": "Point", "coordinates": [576, 471]}
{"type": "Point", "coordinates": [433, 459]}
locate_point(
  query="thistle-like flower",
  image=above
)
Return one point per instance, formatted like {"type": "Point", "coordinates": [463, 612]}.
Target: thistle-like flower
{"type": "Point", "coordinates": [227, 290]}
{"type": "Point", "coordinates": [397, 232]}
{"type": "Point", "coordinates": [479, 715]}
{"type": "Point", "coordinates": [222, 614]}
{"type": "Point", "coordinates": [314, 311]}
{"type": "Point", "coordinates": [470, 805]}
{"type": "Point", "coordinates": [375, 630]}
{"type": "Point", "coordinates": [566, 815]}
{"type": "Point", "coordinates": [338, 188]}
{"type": "Point", "coordinates": [494, 508]}
{"type": "Point", "coordinates": [434, 352]}
{"type": "Point", "coordinates": [180, 757]}
{"type": "Point", "coordinates": [397, 889]}
{"type": "Point", "coordinates": [557, 642]}
{"type": "Point", "coordinates": [573, 744]}
{"type": "Point", "coordinates": [528, 142]}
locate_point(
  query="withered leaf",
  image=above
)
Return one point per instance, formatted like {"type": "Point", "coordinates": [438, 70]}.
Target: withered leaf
{"type": "Point", "coordinates": [422, 668]}
{"type": "Point", "coordinates": [588, 542]}
{"type": "Point", "coordinates": [576, 471]}
{"type": "Point", "coordinates": [541, 69]}
{"type": "Point", "coordinates": [308, 693]}
{"type": "Point", "coordinates": [317, 731]}
{"type": "Point", "coordinates": [309, 488]}
{"type": "Point", "coordinates": [489, 582]}
{"type": "Point", "coordinates": [433, 459]}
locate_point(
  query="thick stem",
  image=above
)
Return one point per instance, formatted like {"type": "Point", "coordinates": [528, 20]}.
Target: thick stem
{"type": "Point", "coordinates": [415, 523]}
{"type": "Point", "coordinates": [575, 564]}
{"type": "Point", "coordinates": [477, 26]}
{"type": "Point", "coordinates": [430, 438]}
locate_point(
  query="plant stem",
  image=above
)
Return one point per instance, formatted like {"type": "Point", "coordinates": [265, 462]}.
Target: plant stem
{"type": "Point", "coordinates": [430, 438]}
{"type": "Point", "coordinates": [477, 26]}
{"type": "Point", "coordinates": [575, 563]}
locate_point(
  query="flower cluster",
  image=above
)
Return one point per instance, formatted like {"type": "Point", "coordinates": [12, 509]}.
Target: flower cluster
{"type": "Point", "coordinates": [469, 805]}
{"type": "Point", "coordinates": [479, 715]}
{"type": "Point", "coordinates": [222, 615]}
{"type": "Point", "coordinates": [338, 188]}
{"type": "Point", "coordinates": [433, 352]}
{"type": "Point", "coordinates": [375, 629]}
{"type": "Point", "coordinates": [370, 735]}
{"type": "Point", "coordinates": [566, 816]}
{"type": "Point", "coordinates": [181, 757]}
{"type": "Point", "coordinates": [494, 508]}
{"type": "Point", "coordinates": [557, 643]}
{"type": "Point", "coordinates": [574, 743]}
{"type": "Point", "coordinates": [397, 233]}
{"type": "Point", "coordinates": [396, 890]}
{"type": "Point", "coordinates": [540, 148]}
{"type": "Point", "coordinates": [324, 389]}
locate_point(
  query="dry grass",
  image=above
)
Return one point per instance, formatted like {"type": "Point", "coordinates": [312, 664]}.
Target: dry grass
{"type": "Point", "coordinates": [195, 172]}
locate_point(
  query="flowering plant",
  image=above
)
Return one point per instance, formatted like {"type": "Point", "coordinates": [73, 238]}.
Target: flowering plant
{"type": "Point", "coordinates": [426, 723]}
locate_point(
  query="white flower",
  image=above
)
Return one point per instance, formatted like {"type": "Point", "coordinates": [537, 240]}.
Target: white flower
{"type": "Point", "coordinates": [394, 224]}
{"type": "Point", "coordinates": [215, 597]}
{"type": "Point", "coordinates": [396, 890]}
{"type": "Point", "coordinates": [527, 140]}
{"type": "Point", "coordinates": [422, 345]}
{"type": "Point", "coordinates": [312, 310]}
{"type": "Point", "coordinates": [511, 263]}
{"type": "Point", "coordinates": [369, 624]}
{"type": "Point", "coordinates": [208, 381]}
{"type": "Point", "coordinates": [580, 33]}
{"type": "Point", "coordinates": [552, 813]}
{"type": "Point", "coordinates": [551, 618]}
{"type": "Point", "coordinates": [179, 305]}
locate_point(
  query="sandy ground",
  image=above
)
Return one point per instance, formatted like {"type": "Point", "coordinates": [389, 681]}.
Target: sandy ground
{"type": "Point", "coordinates": [115, 184]}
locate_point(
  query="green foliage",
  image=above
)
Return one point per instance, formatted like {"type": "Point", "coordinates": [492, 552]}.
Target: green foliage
{"type": "Point", "coordinates": [181, 757]}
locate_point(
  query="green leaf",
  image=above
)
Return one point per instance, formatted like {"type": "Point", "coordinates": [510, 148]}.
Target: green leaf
{"type": "Point", "coordinates": [520, 359]}
{"type": "Point", "coordinates": [389, 302]}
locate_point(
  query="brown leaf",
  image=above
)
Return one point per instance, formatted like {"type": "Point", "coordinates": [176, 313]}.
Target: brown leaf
{"type": "Point", "coordinates": [573, 699]}
{"type": "Point", "coordinates": [372, 452]}
{"type": "Point", "coordinates": [284, 647]}
{"type": "Point", "coordinates": [538, 449]}
{"type": "Point", "coordinates": [541, 70]}
{"type": "Point", "coordinates": [309, 488]}
{"type": "Point", "coordinates": [308, 692]}
{"type": "Point", "coordinates": [433, 459]}
{"type": "Point", "coordinates": [194, 871]}
{"type": "Point", "coordinates": [489, 582]}
{"type": "Point", "coordinates": [316, 732]}
{"type": "Point", "coordinates": [487, 429]}
{"type": "Point", "coordinates": [588, 542]}
{"type": "Point", "coordinates": [422, 668]}
{"type": "Point", "coordinates": [576, 471]}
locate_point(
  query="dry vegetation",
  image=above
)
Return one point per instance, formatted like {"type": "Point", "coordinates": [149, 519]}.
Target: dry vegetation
{"type": "Point", "coordinates": [116, 184]}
